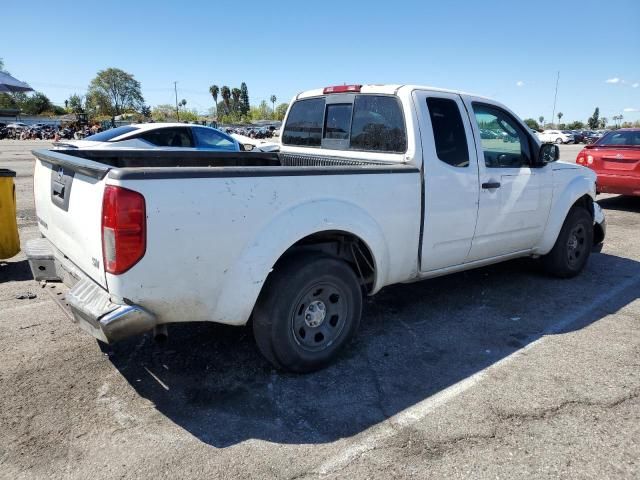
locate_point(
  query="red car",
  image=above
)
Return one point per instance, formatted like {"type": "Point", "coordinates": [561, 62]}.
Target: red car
{"type": "Point", "coordinates": [616, 159]}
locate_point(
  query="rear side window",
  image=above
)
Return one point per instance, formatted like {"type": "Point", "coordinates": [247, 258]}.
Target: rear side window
{"type": "Point", "coordinates": [304, 123]}
{"type": "Point", "coordinates": [448, 132]}
{"type": "Point", "coordinates": [378, 124]}
{"type": "Point", "coordinates": [169, 137]}
{"type": "Point", "coordinates": [625, 137]}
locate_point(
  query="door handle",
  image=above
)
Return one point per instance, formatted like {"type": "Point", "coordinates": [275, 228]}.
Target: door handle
{"type": "Point", "coordinates": [491, 185]}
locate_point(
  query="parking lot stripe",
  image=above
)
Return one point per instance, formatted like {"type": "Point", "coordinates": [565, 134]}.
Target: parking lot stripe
{"type": "Point", "coordinates": [388, 428]}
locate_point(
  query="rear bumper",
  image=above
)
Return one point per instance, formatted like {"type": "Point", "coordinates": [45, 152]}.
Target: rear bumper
{"type": "Point", "coordinates": [619, 184]}
{"type": "Point", "coordinates": [84, 301]}
{"type": "Point", "coordinates": [599, 227]}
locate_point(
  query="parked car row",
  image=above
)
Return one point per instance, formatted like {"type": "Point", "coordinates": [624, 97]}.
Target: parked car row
{"type": "Point", "coordinates": [570, 136]}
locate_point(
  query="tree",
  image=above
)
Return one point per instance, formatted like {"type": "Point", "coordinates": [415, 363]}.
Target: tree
{"type": "Point", "coordinates": [575, 126]}
{"type": "Point", "coordinates": [35, 104]}
{"type": "Point", "coordinates": [559, 117]}
{"type": "Point", "coordinates": [532, 124]}
{"type": "Point", "coordinates": [74, 103]}
{"type": "Point", "coordinates": [541, 120]}
{"type": "Point", "coordinates": [281, 111]}
{"type": "Point", "coordinates": [244, 99]}
{"type": "Point", "coordinates": [164, 112]}
{"type": "Point", "coordinates": [214, 90]}
{"type": "Point", "coordinates": [603, 122]}
{"type": "Point", "coordinates": [115, 91]}
{"type": "Point", "coordinates": [273, 103]}
{"type": "Point", "coordinates": [235, 93]}
{"type": "Point", "coordinates": [594, 120]}
{"type": "Point", "coordinates": [145, 111]}
{"type": "Point", "coordinates": [226, 96]}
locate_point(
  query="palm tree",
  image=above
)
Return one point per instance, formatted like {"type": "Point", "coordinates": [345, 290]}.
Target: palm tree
{"type": "Point", "coordinates": [226, 95]}
{"type": "Point", "coordinates": [235, 93]}
{"type": "Point", "coordinates": [541, 119]}
{"type": "Point", "coordinates": [214, 90]}
{"type": "Point", "coordinates": [273, 102]}
{"type": "Point", "coordinates": [603, 122]}
{"type": "Point", "coordinates": [559, 117]}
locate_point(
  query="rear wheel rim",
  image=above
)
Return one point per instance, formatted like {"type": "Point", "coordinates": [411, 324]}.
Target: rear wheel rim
{"type": "Point", "coordinates": [319, 316]}
{"type": "Point", "coordinates": [576, 245]}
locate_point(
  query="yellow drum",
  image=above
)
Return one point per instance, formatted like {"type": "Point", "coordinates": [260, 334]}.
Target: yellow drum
{"type": "Point", "coordinates": [9, 240]}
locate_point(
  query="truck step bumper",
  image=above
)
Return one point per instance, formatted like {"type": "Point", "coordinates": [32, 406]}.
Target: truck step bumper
{"type": "Point", "coordinates": [84, 301]}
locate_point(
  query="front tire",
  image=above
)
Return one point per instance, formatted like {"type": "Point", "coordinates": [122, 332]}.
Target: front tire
{"type": "Point", "coordinates": [308, 310]}
{"type": "Point", "coordinates": [558, 141]}
{"type": "Point", "coordinates": [571, 251]}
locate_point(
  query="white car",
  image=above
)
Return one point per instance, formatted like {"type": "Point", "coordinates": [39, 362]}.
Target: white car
{"type": "Point", "coordinates": [157, 135]}
{"type": "Point", "coordinates": [374, 185]}
{"type": "Point", "coordinates": [555, 136]}
{"type": "Point", "coordinates": [17, 125]}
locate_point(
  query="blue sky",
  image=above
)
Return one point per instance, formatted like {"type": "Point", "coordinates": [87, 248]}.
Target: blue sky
{"type": "Point", "coordinates": [508, 50]}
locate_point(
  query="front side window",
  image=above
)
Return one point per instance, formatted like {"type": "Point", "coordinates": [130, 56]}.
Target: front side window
{"type": "Point", "coordinates": [212, 139]}
{"type": "Point", "coordinates": [304, 123]}
{"type": "Point", "coordinates": [448, 132]}
{"type": "Point", "coordinates": [169, 137]}
{"type": "Point", "coordinates": [378, 124]}
{"type": "Point", "coordinates": [510, 148]}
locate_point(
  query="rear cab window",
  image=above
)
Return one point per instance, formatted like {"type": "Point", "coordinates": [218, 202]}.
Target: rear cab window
{"type": "Point", "coordinates": [361, 122]}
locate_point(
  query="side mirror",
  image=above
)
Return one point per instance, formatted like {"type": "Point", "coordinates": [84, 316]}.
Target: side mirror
{"type": "Point", "coordinates": [549, 152]}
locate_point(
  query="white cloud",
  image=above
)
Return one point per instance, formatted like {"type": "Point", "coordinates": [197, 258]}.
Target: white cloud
{"type": "Point", "coordinates": [635, 85]}
{"type": "Point", "coordinates": [612, 80]}
{"type": "Point", "coordinates": [519, 83]}
{"type": "Point", "coordinates": [628, 109]}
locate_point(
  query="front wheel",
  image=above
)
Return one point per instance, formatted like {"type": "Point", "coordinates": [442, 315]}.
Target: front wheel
{"type": "Point", "coordinates": [309, 309]}
{"type": "Point", "coordinates": [571, 251]}
{"type": "Point", "coordinates": [558, 141]}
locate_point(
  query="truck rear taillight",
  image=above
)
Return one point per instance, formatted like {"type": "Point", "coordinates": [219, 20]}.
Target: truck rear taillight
{"type": "Point", "coordinates": [124, 225]}
{"type": "Point", "coordinates": [342, 89]}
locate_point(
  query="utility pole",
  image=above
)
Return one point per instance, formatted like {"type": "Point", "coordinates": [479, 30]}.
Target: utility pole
{"type": "Point", "coordinates": [555, 97]}
{"type": "Point", "coordinates": [175, 89]}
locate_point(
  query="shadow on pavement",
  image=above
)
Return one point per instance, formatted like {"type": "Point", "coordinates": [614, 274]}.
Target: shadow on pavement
{"type": "Point", "coordinates": [623, 203]}
{"type": "Point", "coordinates": [15, 271]}
{"type": "Point", "coordinates": [415, 340]}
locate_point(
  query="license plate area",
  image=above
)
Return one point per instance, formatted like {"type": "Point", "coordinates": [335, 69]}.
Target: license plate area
{"type": "Point", "coordinates": [61, 182]}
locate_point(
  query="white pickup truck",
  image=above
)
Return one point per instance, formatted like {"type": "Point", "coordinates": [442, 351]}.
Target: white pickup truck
{"type": "Point", "coordinates": [374, 185]}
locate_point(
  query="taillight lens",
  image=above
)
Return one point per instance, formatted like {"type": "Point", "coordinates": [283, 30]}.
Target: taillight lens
{"type": "Point", "coordinates": [124, 235]}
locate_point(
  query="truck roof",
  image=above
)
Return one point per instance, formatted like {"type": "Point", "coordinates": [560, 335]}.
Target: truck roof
{"type": "Point", "coordinates": [387, 89]}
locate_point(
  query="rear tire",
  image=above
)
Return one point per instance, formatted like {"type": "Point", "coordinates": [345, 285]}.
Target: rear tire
{"type": "Point", "coordinates": [558, 141]}
{"type": "Point", "coordinates": [571, 251]}
{"type": "Point", "coordinates": [308, 310]}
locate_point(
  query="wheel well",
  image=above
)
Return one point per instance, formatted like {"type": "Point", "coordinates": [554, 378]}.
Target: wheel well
{"type": "Point", "coordinates": [585, 202]}
{"type": "Point", "coordinates": [339, 244]}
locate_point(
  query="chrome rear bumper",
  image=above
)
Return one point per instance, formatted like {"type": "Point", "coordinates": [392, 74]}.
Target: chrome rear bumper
{"type": "Point", "coordinates": [84, 301]}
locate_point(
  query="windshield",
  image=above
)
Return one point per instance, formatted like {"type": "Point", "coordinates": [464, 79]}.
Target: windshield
{"type": "Point", "coordinates": [626, 138]}
{"type": "Point", "coordinates": [109, 134]}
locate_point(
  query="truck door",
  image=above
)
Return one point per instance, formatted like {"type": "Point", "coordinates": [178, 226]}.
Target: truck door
{"type": "Point", "coordinates": [515, 197]}
{"type": "Point", "coordinates": [450, 171]}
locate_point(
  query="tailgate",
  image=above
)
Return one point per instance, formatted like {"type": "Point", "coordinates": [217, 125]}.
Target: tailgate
{"type": "Point", "coordinates": [68, 197]}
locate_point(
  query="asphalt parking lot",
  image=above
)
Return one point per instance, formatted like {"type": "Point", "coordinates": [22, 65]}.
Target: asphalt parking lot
{"type": "Point", "coordinates": [500, 372]}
